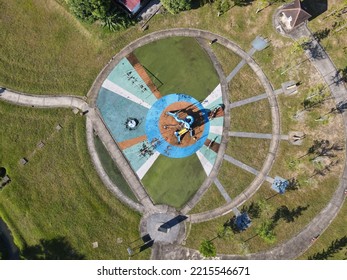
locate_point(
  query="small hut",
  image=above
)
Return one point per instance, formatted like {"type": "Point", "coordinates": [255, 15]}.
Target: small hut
{"type": "Point", "coordinates": [293, 15]}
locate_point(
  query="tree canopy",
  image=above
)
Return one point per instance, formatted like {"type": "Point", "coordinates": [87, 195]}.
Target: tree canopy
{"type": "Point", "coordinates": [175, 6]}
{"type": "Point", "coordinates": [207, 248]}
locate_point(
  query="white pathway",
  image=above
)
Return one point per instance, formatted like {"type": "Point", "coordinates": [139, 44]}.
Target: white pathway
{"type": "Point", "coordinates": [124, 93]}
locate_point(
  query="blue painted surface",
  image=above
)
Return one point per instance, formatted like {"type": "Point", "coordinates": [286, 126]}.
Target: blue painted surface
{"type": "Point", "coordinates": [217, 121]}
{"type": "Point", "coordinates": [115, 110]}
{"type": "Point", "coordinates": [215, 137]}
{"type": "Point", "coordinates": [153, 130]}
{"type": "Point", "coordinates": [214, 104]}
{"type": "Point", "coordinates": [125, 76]}
{"type": "Point", "coordinates": [209, 154]}
{"type": "Point", "coordinates": [134, 156]}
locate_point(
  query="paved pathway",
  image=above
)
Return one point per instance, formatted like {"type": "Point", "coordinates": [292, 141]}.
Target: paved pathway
{"type": "Point", "coordinates": [246, 167]}
{"type": "Point", "coordinates": [44, 101]}
{"type": "Point", "coordinates": [252, 99]}
{"type": "Point", "coordinates": [240, 65]}
{"type": "Point", "coordinates": [222, 190]}
{"type": "Point", "coordinates": [255, 135]}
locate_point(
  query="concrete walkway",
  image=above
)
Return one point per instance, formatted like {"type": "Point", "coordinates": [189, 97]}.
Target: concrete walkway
{"type": "Point", "coordinates": [252, 99]}
{"type": "Point", "coordinates": [222, 190]}
{"type": "Point", "coordinates": [44, 101]}
{"type": "Point", "coordinates": [246, 167]}
{"type": "Point", "coordinates": [255, 135]}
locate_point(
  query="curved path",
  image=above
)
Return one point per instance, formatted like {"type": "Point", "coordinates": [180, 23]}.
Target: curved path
{"type": "Point", "coordinates": [288, 250]}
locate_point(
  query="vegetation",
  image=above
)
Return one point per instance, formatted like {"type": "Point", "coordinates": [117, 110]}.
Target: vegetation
{"type": "Point", "coordinates": [103, 10]}
{"type": "Point", "coordinates": [176, 6]}
{"type": "Point", "coordinates": [207, 249]}
{"type": "Point", "coordinates": [173, 181]}
{"type": "Point", "coordinates": [57, 196]}
{"type": "Point", "coordinates": [163, 58]}
{"type": "Point", "coordinates": [38, 66]}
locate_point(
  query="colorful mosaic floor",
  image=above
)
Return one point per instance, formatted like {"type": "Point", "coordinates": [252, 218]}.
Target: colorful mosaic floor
{"type": "Point", "coordinates": [137, 117]}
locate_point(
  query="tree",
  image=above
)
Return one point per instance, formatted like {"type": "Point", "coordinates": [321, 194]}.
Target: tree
{"type": "Point", "coordinates": [222, 6]}
{"type": "Point", "coordinates": [90, 10]}
{"type": "Point", "coordinates": [207, 248]}
{"type": "Point", "coordinates": [176, 6]}
{"type": "Point", "coordinates": [225, 232]}
{"type": "Point", "coordinates": [265, 231]}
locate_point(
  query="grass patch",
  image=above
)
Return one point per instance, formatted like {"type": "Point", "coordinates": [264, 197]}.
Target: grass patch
{"type": "Point", "coordinates": [173, 181]}
{"type": "Point", "coordinates": [244, 85]}
{"type": "Point", "coordinates": [211, 199]}
{"type": "Point", "coordinates": [179, 70]}
{"type": "Point", "coordinates": [234, 179]}
{"type": "Point", "coordinates": [112, 170]}
{"type": "Point", "coordinates": [336, 231]}
{"type": "Point", "coordinates": [58, 193]}
{"type": "Point", "coordinates": [253, 117]}
{"type": "Point", "coordinates": [226, 58]}
{"type": "Point", "coordinates": [248, 150]}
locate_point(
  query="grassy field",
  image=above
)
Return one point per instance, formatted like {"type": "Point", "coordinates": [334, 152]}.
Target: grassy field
{"type": "Point", "coordinates": [210, 200]}
{"type": "Point", "coordinates": [244, 85]}
{"type": "Point", "coordinates": [173, 181]}
{"type": "Point", "coordinates": [112, 169]}
{"type": "Point", "coordinates": [253, 117]}
{"type": "Point", "coordinates": [45, 50]}
{"type": "Point", "coordinates": [181, 65]}
{"type": "Point", "coordinates": [331, 245]}
{"type": "Point", "coordinates": [250, 151]}
{"type": "Point", "coordinates": [234, 179]}
{"type": "Point", "coordinates": [58, 197]}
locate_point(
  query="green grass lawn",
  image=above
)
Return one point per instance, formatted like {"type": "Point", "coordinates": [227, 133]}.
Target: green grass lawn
{"type": "Point", "coordinates": [58, 194]}
{"type": "Point", "coordinates": [253, 117]}
{"type": "Point", "coordinates": [248, 150]}
{"type": "Point", "coordinates": [244, 85]}
{"type": "Point", "coordinates": [174, 181]}
{"type": "Point", "coordinates": [46, 50]}
{"type": "Point", "coordinates": [112, 170]}
{"type": "Point", "coordinates": [210, 200]}
{"type": "Point", "coordinates": [234, 179]}
{"type": "Point", "coordinates": [181, 65]}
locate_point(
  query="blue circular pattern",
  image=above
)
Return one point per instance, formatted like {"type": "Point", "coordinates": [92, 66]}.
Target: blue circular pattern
{"type": "Point", "coordinates": [153, 130]}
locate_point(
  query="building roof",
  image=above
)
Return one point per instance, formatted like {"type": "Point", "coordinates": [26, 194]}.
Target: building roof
{"type": "Point", "coordinates": [296, 12]}
{"type": "Point", "coordinates": [131, 5]}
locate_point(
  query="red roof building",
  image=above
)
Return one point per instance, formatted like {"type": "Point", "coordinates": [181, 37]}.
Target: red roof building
{"type": "Point", "coordinates": [132, 6]}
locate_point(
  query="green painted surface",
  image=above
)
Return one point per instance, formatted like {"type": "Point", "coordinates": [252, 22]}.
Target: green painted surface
{"type": "Point", "coordinates": [180, 65]}
{"type": "Point", "coordinates": [173, 181]}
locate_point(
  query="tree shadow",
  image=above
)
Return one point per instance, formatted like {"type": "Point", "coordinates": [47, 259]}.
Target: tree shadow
{"type": "Point", "coordinates": [293, 184]}
{"type": "Point", "coordinates": [288, 215]}
{"type": "Point", "coordinates": [315, 7]}
{"type": "Point", "coordinates": [321, 34]}
{"type": "Point", "coordinates": [58, 248]}
{"type": "Point", "coordinates": [253, 210]}
{"type": "Point", "coordinates": [335, 246]}
{"type": "Point", "coordinates": [2, 172]}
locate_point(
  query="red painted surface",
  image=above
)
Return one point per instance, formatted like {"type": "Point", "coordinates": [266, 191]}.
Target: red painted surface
{"type": "Point", "coordinates": [130, 4]}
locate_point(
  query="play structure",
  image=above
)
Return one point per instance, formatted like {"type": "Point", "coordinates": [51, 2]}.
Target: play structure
{"type": "Point", "coordinates": [185, 124]}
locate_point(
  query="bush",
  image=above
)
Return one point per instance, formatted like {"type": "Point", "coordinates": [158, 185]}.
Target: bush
{"type": "Point", "coordinates": [176, 6]}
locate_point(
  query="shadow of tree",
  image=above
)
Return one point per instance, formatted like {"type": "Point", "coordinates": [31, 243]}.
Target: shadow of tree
{"type": "Point", "coordinates": [58, 248]}
{"type": "Point", "coordinates": [321, 34]}
{"type": "Point", "coordinates": [293, 184]}
{"type": "Point", "coordinates": [288, 215]}
{"type": "Point", "coordinates": [335, 246]}
{"type": "Point", "coordinates": [253, 210]}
